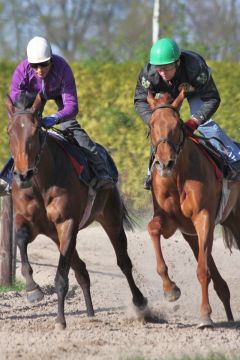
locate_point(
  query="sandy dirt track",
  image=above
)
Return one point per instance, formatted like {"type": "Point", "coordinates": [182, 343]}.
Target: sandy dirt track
{"type": "Point", "coordinates": [27, 331]}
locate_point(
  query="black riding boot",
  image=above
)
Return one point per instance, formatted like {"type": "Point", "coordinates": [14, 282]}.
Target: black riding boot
{"type": "Point", "coordinates": [148, 180]}
{"type": "Point", "coordinates": [6, 176]}
{"type": "Point", "coordinates": [102, 178]}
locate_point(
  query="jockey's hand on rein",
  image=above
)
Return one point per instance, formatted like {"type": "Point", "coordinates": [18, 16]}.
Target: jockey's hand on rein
{"type": "Point", "coordinates": [49, 121]}
{"type": "Point", "coordinates": [191, 125]}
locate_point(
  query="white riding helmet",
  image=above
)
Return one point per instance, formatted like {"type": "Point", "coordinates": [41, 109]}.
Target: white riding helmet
{"type": "Point", "coordinates": [38, 50]}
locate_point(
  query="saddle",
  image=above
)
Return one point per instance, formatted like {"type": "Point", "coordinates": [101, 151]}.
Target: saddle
{"type": "Point", "coordinates": [214, 156]}
{"type": "Point", "coordinates": [79, 157]}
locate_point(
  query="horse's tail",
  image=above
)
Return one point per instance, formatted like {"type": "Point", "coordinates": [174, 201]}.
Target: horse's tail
{"type": "Point", "coordinates": [231, 232]}
{"type": "Point", "coordinates": [128, 221]}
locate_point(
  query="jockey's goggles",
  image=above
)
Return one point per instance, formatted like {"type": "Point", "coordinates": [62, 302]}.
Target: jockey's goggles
{"type": "Point", "coordinates": [42, 64]}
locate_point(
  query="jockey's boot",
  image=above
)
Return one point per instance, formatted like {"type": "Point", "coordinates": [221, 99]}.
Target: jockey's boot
{"type": "Point", "coordinates": [6, 176]}
{"type": "Point", "coordinates": [103, 180]}
{"type": "Point", "coordinates": [147, 182]}
{"type": "Point", "coordinates": [4, 188]}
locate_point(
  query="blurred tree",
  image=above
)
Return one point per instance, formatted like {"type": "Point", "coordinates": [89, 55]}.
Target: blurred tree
{"type": "Point", "coordinates": [215, 28]}
{"type": "Point", "coordinates": [155, 21]}
{"type": "Point", "coordinates": [120, 30]}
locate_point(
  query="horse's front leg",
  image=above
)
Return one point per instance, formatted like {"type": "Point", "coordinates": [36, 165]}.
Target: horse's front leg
{"type": "Point", "coordinates": [23, 238]}
{"type": "Point", "coordinates": [204, 227]}
{"type": "Point", "coordinates": [171, 291]}
{"type": "Point", "coordinates": [67, 233]}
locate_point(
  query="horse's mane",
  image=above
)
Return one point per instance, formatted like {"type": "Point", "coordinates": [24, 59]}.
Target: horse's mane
{"type": "Point", "coordinates": [25, 100]}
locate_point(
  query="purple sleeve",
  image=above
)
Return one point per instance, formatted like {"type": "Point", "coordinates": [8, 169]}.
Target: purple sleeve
{"type": "Point", "coordinates": [18, 82]}
{"type": "Point", "coordinates": [69, 96]}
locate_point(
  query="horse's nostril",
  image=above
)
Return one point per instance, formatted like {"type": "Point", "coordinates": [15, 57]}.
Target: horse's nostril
{"type": "Point", "coordinates": [24, 180]}
{"type": "Point", "coordinates": [170, 164]}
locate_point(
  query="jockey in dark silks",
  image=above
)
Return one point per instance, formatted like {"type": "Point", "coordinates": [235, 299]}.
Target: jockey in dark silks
{"type": "Point", "coordinates": [169, 69]}
{"type": "Point", "coordinates": [51, 77]}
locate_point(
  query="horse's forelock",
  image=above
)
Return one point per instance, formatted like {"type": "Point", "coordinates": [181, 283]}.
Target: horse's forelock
{"type": "Point", "coordinates": [25, 101]}
{"type": "Point", "coordinates": [160, 99]}
{"type": "Point", "coordinates": [165, 98]}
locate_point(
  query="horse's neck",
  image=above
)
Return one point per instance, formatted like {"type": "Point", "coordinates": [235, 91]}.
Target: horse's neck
{"type": "Point", "coordinates": [185, 156]}
{"type": "Point", "coordinates": [49, 160]}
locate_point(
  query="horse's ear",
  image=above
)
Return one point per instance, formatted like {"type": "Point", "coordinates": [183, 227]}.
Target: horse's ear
{"type": "Point", "coordinates": [36, 104]}
{"type": "Point", "coordinates": [9, 105]}
{"type": "Point", "coordinates": [151, 100]}
{"type": "Point", "coordinates": [177, 103]}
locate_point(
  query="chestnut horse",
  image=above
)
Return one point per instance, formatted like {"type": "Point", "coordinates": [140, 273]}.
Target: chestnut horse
{"type": "Point", "coordinates": [186, 196]}
{"type": "Point", "coordinates": [48, 198]}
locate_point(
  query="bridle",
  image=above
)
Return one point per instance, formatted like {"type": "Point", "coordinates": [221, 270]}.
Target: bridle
{"type": "Point", "coordinates": [177, 147]}
{"type": "Point", "coordinates": [42, 140]}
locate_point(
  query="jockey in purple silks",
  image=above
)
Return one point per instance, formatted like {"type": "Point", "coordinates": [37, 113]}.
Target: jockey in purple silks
{"type": "Point", "coordinates": [51, 77]}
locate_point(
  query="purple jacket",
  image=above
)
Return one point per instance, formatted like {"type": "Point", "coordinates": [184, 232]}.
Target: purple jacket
{"type": "Point", "coordinates": [59, 85]}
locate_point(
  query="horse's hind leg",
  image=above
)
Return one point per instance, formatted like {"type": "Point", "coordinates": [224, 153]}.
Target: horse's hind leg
{"type": "Point", "coordinates": [83, 279]}
{"type": "Point", "coordinates": [34, 292]}
{"type": "Point", "coordinates": [220, 285]}
{"type": "Point", "coordinates": [119, 241]}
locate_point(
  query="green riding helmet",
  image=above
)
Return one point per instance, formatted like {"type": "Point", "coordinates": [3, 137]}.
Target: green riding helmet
{"type": "Point", "coordinates": [164, 51]}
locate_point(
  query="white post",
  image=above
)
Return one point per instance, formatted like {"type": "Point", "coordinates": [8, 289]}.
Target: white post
{"type": "Point", "coordinates": [155, 21]}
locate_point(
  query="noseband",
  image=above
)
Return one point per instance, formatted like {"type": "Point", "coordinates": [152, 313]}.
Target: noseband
{"type": "Point", "coordinates": [42, 141]}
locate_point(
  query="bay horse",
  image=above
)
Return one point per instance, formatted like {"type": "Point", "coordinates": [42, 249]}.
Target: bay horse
{"type": "Point", "coordinates": [186, 196]}
{"type": "Point", "coordinates": [48, 198]}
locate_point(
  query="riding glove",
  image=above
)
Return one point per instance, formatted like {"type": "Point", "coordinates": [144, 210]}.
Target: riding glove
{"type": "Point", "coordinates": [49, 121]}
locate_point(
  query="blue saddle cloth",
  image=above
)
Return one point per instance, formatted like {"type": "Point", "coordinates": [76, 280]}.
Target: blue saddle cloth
{"type": "Point", "coordinates": [81, 157]}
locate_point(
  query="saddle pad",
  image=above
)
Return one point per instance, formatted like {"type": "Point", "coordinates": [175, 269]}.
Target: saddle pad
{"type": "Point", "coordinates": [79, 159]}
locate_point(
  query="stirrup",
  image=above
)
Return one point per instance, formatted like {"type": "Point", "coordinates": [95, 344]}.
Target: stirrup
{"type": "Point", "coordinates": [233, 176]}
{"type": "Point", "coordinates": [102, 184]}
{"type": "Point", "coordinates": [233, 173]}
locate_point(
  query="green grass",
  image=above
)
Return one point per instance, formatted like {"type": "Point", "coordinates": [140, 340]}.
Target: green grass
{"type": "Point", "coordinates": [17, 286]}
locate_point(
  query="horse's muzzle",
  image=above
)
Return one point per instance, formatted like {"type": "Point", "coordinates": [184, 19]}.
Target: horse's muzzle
{"type": "Point", "coordinates": [165, 169]}
{"type": "Point", "coordinates": [23, 180]}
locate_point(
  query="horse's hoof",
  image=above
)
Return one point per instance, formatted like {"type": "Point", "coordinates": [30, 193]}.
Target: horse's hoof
{"type": "Point", "coordinates": [205, 324]}
{"type": "Point", "coordinates": [173, 295]}
{"type": "Point", "coordinates": [140, 304]}
{"type": "Point", "coordinates": [90, 313]}
{"type": "Point", "coordinates": [60, 326]}
{"type": "Point", "coordinates": [35, 295]}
